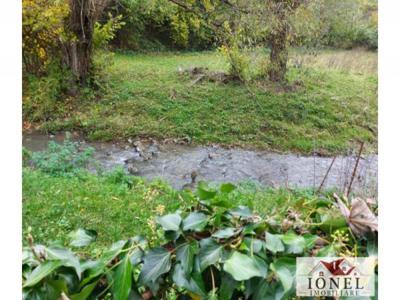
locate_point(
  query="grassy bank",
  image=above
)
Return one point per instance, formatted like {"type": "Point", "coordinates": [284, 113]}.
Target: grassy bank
{"type": "Point", "coordinates": [119, 206]}
{"type": "Point", "coordinates": [334, 103]}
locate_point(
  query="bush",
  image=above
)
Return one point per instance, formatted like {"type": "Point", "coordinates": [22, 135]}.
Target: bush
{"type": "Point", "coordinates": [43, 95]}
{"type": "Point", "coordinates": [43, 32]}
{"type": "Point", "coordinates": [62, 160]}
{"type": "Point", "coordinates": [210, 251]}
{"type": "Point", "coordinates": [238, 62]}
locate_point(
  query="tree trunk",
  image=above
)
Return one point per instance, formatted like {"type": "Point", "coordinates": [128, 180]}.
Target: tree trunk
{"type": "Point", "coordinates": [79, 49]}
{"type": "Point", "coordinates": [278, 56]}
{"type": "Point", "coordinates": [280, 11]}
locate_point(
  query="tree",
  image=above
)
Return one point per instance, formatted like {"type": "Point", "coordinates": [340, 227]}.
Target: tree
{"type": "Point", "coordinates": [279, 12]}
{"type": "Point", "coordinates": [251, 23]}
{"type": "Point", "coordinates": [78, 51]}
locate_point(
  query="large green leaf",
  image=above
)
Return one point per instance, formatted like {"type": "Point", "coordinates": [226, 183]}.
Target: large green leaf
{"type": "Point", "coordinates": [210, 253]}
{"type": "Point", "coordinates": [42, 271]}
{"type": "Point", "coordinates": [185, 255]}
{"type": "Point", "coordinates": [273, 243]}
{"type": "Point", "coordinates": [310, 240]}
{"type": "Point", "coordinates": [85, 292]}
{"type": "Point", "coordinates": [225, 233]}
{"type": "Point", "coordinates": [227, 187]}
{"type": "Point", "coordinates": [195, 221]}
{"type": "Point", "coordinates": [55, 287]}
{"type": "Point", "coordinates": [170, 222]}
{"type": "Point", "coordinates": [252, 245]}
{"type": "Point", "coordinates": [243, 267]}
{"type": "Point", "coordinates": [113, 251]}
{"type": "Point", "coordinates": [68, 258]}
{"type": "Point", "coordinates": [156, 262]}
{"type": "Point", "coordinates": [241, 211]}
{"type": "Point", "coordinates": [123, 279]}
{"type": "Point", "coordinates": [82, 237]}
{"type": "Point", "coordinates": [331, 219]}
{"type": "Point", "coordinates": [204, 192]}
{"type": "Point", "coordinates": [96, 268]}
{"type": "Point", "coordinates": [285, 269]}
{"type": "Point", "coordinates": [228, 286]}
{"type": "Point", "coordinates": [295, 243]}
{"type": "Point", "coordinates": [193, 283]}
{"type": "Point", "coordinates": [136, 256]}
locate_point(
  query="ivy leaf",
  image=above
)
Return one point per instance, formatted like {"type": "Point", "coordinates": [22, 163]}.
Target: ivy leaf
{"type": "Point", "coordinates": [225, 233]}
{"type": "Point", "coordinates": [210, 252]}
{"type": "Point", "coordinates": [136, 256]}
{"type": "Point", "coordinates": [228, 286]}
{"type": "Point", "coordinates": [179, 276]}
{"type": "Point", "coordinates": [185, 255]}
{"type": "Point", "coordinates": [195, 221]}
{"type": "Point", "coordinates": [273, 243]}
{"type": "Point", "coordinates": [113, 251]}
{"type": "Point", "coordinates": [170, 222]}
{"type": "Point", "coordinates": [285, 269]}
{"type": "Point", "coordinates": [196, 286]}
{"type": "Point", "coordinates": [85, 292]}
{"type": "Point", "coordinates": [252, 245]}
{"type": "Point", "coordinates": [296, 243]}
{"type": "Point", "coordinates": [244, 267]}
{"type": "Point", "coordinates": [82, 237]}
{"type": "Point", "coordinates": [310, 240]}
{"type": "Point", "coordinates": [327, 251]}
{"type": "Point", "coordinates": [66, 256]}
{"type": "Point", "coordinates": [241, 211]}
{"type": "Point", "coordinates": [156, 262]}
{"type": "Point", "coordinates": [42, 271]}
{"type": "Point", "coordinates": [97, 267]}
{"type": "Point", "coordinates": [227, 187]}
{"type": "Point", "coordinates": [331, 219]}
{"type": "Point", "coordinates": [204, 192]}
{"type": "Point", "coordinates": [123, 279]}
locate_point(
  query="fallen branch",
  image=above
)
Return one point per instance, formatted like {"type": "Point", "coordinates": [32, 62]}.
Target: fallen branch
{"type": "Point", "coordinates": [355, 169]}
{"type": "Point", "coordinates": [326, 176]}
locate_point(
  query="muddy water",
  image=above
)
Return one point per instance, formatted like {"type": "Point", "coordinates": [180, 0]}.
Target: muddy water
{"type": "Point", "coordinates": [174, 163]}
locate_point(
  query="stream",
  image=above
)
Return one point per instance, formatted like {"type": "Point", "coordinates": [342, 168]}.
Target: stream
{"type": "Point", "coordinates": [175, 163]}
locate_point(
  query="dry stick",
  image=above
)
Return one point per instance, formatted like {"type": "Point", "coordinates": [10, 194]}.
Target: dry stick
{"type": "Point", "coordinates": [326, 176]}
{"type": "Point", "coordinates": [355, 169]}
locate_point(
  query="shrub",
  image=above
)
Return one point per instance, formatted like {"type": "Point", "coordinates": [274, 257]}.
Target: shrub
{"type": "Point", "coordinates": [238, 62]}
{"type": "Point", "coordinates": [210, 251]}
{"type": "Point", "coordinates": [62, 159]}
{"type": "Point", "coordinates": [43, 32]}
{"type": "Point", "coordinates": [43, 95]}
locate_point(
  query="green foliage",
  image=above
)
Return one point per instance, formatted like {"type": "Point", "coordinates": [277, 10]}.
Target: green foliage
{"type": "Point", "coordinates": [160, 25]}
{"type": "Point", "coordinates": [62, 159]}
{"type": "Point", "coordinates": [43, 95]}
{"type": "Point", "coordinates": [43, 32]}
{"type": "Point", "coordinates": [340, 24]}
{"type": "Point", "coordinates": [104, 33]}
{"type": "Point", "coordinates": [238, 62]}
{"type": "Point", "coordinates": [255, 257]}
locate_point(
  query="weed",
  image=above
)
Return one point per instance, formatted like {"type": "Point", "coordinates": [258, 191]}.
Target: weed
{"type": "Point", "coordinates": [66, 159]}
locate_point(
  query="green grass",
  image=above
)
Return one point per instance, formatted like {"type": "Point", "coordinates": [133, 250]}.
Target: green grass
{"type": "Point", "coordinates": [55, 206]}
{"type": "Point", "coordinates": [146, 97]}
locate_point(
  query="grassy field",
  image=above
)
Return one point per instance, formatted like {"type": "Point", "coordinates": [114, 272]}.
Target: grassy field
{"type": "Point", "coordinates": [55, 206]}
{"type": "Point", "coordinates": [334, 104]}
